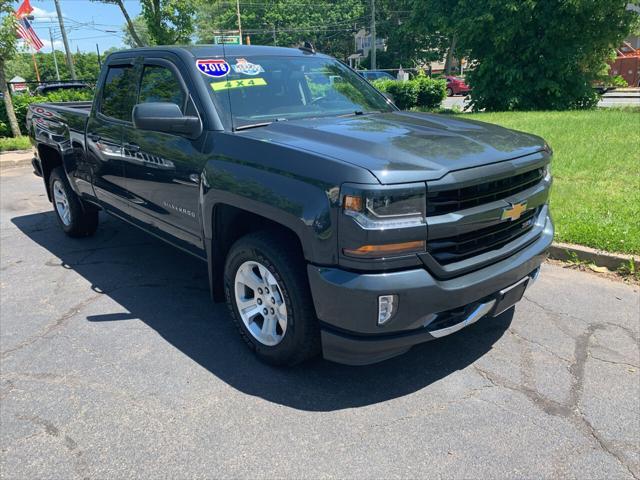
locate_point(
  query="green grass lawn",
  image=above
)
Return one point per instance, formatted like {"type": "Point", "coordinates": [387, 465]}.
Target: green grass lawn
{"type": "Point", "coordinates": [596, 167]}
{"type": "Point", "coordinates": [8, 144]}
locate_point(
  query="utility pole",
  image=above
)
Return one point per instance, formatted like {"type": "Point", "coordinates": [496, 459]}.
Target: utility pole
{"type": "Point", "coordinates": [53, 51]}
{"type": "Point", "coordinates": [373, 35]}
{"type": "Point", "coordinates": [72, 69]}
{"type": "Point", "coordinates": [239, 21]}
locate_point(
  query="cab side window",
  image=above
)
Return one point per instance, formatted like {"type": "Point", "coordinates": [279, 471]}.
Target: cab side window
{"type": "Point", "coordinates": [159, 84]}
{"type": "Point", "coordinates": [119, 93]}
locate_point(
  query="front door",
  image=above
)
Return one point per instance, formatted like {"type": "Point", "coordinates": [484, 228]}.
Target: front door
{"type": "Point", "coordinates": [163, 169]}
{"type": "Point", "coordinates": [108, 120]}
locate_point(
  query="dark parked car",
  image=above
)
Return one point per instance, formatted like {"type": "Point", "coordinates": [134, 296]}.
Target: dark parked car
{"type": "Point", "coordinates": [372, 75]}
{"type": "Point", "coordinates": [456, 86]}
{"type": "Point", "coordinates": [329, 220]}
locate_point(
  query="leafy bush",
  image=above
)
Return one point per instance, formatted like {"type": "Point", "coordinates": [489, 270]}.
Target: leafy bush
{"type": "Point", "coordinates": [22, 101]}
{"type": "Point", "coordinates": [11, 143]}
{"type": "Point", "coordinates": [431, 92]}
{"type": "Point", "coordinates": [405, 94]}
{"type": "Point", "coordinates": [420, 92]}
{"type": "Point", "coordinates": [618, 81]}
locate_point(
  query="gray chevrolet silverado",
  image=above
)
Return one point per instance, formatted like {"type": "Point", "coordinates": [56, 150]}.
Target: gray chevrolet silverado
{"type": "Point", "coordinates": [329, 220]}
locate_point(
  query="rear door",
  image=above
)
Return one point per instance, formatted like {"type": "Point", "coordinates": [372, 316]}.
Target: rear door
{"type": "Point", "coordinates": [109, 118]}
{"type": "Point", "coordinates": [163, 169]}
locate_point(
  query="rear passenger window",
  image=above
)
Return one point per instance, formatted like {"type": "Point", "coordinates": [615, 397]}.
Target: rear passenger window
{"type": "Point", "coordinates": [159, 84]}
{"type": "Point", "coordinates": [119, 93]}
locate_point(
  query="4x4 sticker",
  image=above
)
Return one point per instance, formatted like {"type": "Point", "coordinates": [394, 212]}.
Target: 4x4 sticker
{"type": "Point", "coordinates": [247, 68]}
{"type": "Point", "coordinates": [242, 83]}
{"type": "Point", "coordinates": [214, 67]}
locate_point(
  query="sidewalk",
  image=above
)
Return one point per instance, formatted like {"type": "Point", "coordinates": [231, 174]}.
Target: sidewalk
{"type": "Point", "coordinates": [15, 159]}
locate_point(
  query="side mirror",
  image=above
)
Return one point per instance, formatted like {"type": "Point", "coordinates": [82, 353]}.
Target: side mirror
{"type": "Point", "coordinates": [165, 117]}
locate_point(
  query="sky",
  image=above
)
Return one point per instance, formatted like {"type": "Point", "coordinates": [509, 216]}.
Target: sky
{"type": "Point", "coordinates": [86, 23]}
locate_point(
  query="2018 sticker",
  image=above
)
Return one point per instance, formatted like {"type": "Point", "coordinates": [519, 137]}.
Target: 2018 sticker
{"type": "Point", "coordinates": [229, 84]}
{"type": "Point", "coordinates": [247, 68]}
{"type": "Point", "coordinates": [214, 67]}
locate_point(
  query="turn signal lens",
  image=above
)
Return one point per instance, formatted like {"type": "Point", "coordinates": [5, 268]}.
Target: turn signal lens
{"type": "Point", "coordinates": [381, 251]}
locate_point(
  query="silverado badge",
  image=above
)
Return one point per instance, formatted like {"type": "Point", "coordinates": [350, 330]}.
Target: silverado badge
{"type": "Point", "coordinates": [514, 211]}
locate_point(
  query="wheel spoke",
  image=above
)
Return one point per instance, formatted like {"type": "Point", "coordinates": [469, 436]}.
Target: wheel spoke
{"type": "Point", "coordinates": [259, 301]}
{"type": "Point", "coordinates": [269, 327]}
{"type": "Point", "coordinates": [250, 311]}
{"type": "Point", "coordinates": [249, 278]}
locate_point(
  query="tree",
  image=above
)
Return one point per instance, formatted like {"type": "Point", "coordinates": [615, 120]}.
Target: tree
{"type": "Point", "coordinates": [7, 51]}
{"type": "Point", "coordinates": [141, 29]}
{"type": "Point", "coordinates": [329, 25]}
{"type": "Point", "coordinates": [131, 28]}
{"type": "Point", "coordinates": [538, 54]}
{"type": "Point", "coordinates": [86, 65]}
{"type": "Point", "coordinates": [168, 21]}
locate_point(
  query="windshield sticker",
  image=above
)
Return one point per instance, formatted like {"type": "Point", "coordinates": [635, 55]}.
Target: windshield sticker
{"type": "Point", "coordinates": [229, 84]}
{"type": "Point", "coordinates": [214, 67]}
{"type": "Point", "coordinates": [247, 68]}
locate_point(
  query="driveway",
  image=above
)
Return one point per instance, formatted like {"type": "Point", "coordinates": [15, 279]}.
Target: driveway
{"type": "Point", "coordinates": [615, 98]}
{"type": "Point", "coordinates": [115, 364]}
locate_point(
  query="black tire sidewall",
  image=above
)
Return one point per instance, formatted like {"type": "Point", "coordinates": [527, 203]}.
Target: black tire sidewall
{"type": "Point", "coordinates": [58, 175]}
{"type": "Point", "coordinates": [84, 220]}
{"type": "Point", "coordinates": [293, 340]}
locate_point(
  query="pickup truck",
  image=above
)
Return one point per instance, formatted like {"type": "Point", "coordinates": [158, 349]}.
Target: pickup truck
{"type": "Point", "coordinates": [329, 220]}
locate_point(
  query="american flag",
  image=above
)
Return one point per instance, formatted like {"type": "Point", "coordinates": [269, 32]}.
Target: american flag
{"type": "Point", "coordinates": [26, 32]}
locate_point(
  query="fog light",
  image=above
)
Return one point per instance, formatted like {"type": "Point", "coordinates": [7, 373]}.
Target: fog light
{"type": "Point", "coordinates": [387, 305]}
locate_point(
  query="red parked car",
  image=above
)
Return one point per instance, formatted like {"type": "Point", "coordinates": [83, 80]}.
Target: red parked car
{"type": "Point", "coordinates": [456, 86]}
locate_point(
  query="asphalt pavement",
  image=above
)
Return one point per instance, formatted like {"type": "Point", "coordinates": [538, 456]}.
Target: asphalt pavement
{"type": "Point", "coordinates": [114, 363]}
{"type": "Point", "coordinates": [614, 98]}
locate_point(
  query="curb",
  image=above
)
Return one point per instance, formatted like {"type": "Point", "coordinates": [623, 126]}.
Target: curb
{"type": "Point", "coordinates": [570, 252]}
{"type": "Point", "coordinates": [6, 162]}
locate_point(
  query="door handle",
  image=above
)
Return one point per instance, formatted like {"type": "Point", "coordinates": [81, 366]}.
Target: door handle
{"type": "Point", "coordinates": [132, 147]}
{"type": "Point", "coordinates": [93, 137]}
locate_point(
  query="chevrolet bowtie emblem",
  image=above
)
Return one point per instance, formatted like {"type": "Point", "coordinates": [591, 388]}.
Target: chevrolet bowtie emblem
{"type": "Point", "coordinates": [514, 211]}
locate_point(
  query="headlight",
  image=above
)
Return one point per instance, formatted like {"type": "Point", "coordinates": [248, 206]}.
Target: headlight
{"type": "Point", "coordinates": [387, 209]}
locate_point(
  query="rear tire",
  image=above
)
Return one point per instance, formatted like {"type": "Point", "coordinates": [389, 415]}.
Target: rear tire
{"type": "Point", "coordinates": [267, 292]}
{"type": "Point", "coordinates": [449, 92]}
{"type": "Point", "coordinates": [77, 218]}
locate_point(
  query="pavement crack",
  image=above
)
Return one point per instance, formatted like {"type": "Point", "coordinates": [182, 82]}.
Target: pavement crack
{"type": "Point", "coordinates": [538, 344]}
{"type": "Point", "coordinates": [571, 409]}
{"type": "Point", "coordinates": [51, 327]}
{"type": "Point", "coordinates": [613, 362]}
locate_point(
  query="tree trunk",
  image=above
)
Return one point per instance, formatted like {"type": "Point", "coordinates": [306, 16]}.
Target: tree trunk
{"type": "Point", "coordinates": [8, 103]}
{"type": "Point", "coordinates": [449, 60]}
{"type": "Point", "coordinates": [130, 25]}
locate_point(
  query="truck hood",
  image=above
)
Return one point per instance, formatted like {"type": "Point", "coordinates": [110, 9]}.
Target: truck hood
{"type": "Point", "coordinates": [402, 147]}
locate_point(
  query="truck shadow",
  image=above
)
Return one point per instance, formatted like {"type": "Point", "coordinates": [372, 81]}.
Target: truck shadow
{"type": "Point", "coordinates": [167, 290]}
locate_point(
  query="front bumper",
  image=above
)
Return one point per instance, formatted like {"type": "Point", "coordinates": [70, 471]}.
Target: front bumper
{"type": "Point", "coordinates": [346, 303]}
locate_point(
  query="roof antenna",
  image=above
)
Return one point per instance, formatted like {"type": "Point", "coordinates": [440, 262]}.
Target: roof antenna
{"type": "Point", "coordinates": [307, 46]}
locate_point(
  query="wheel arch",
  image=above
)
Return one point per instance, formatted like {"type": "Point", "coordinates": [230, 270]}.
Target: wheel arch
{"type": "Point", "coordinates": [50, 158]}
{"type": "Point", "coordinates": [230, 223]}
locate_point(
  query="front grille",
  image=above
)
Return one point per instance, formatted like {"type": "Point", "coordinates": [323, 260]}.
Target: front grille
{"type": "Point", "coordinates": [446, 201]}
{"type": "Point", "coordinates": [460, 247]}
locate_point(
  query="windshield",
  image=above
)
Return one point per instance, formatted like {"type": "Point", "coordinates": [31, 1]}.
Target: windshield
{"type": "Point", "coordinates": [262, 89]}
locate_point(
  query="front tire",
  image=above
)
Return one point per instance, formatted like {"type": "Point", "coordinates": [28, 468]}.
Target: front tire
{"type": "Point", "coordinates": [76, 218]}
{"type": "Point", "coordinates": [268, 294]}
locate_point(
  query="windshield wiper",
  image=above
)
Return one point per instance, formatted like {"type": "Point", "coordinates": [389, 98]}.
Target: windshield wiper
{"type": "Point", "coordinates": [261, 124]}
{"type": "Point", "coordinates": [357, 113]}
{"type": "Point", "coordinates": [252, 125]}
